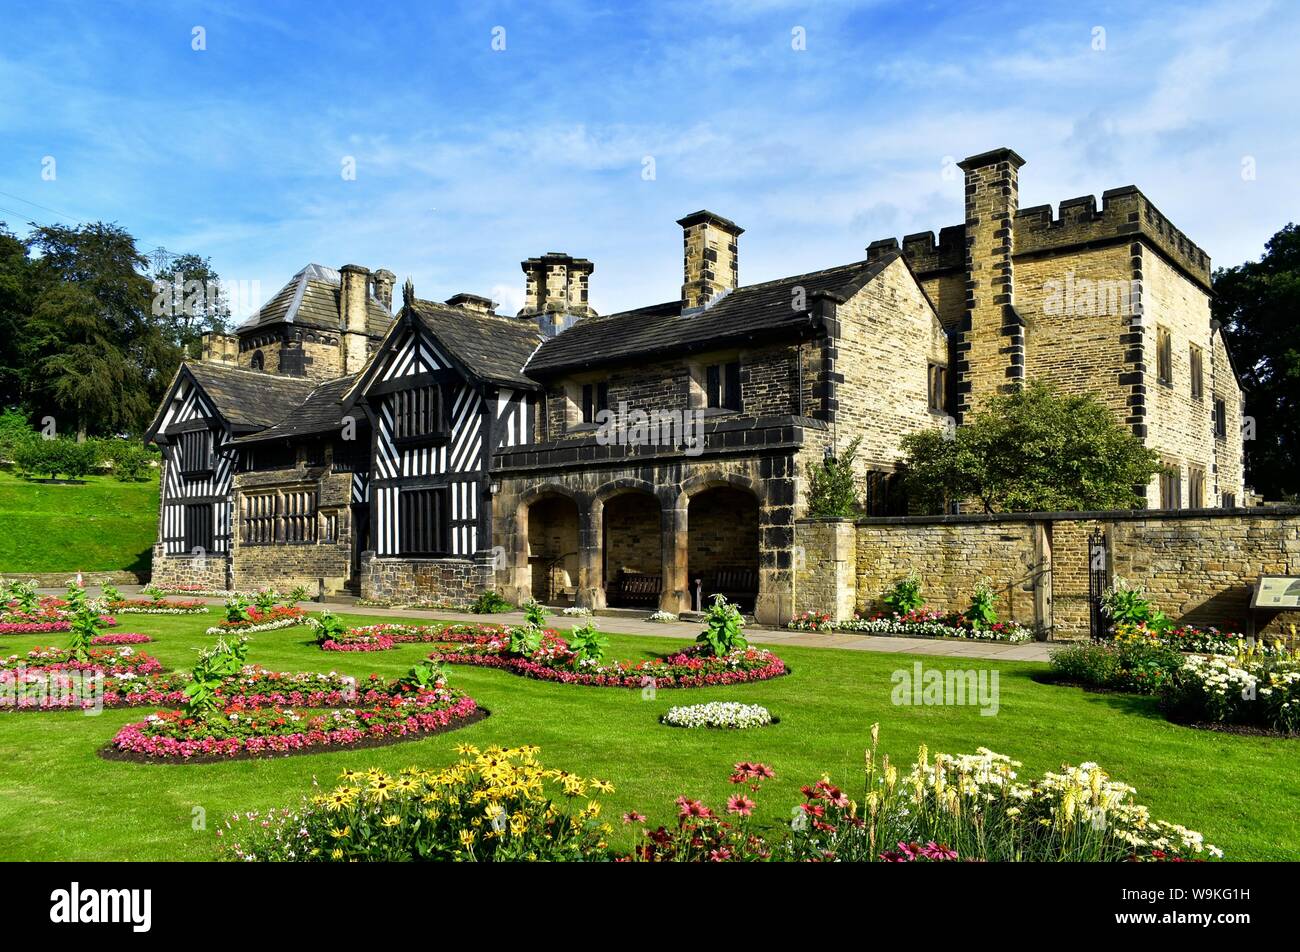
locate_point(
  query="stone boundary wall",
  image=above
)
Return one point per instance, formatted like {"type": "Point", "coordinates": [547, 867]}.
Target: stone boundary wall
{"type": "Point", "coordinates": [174, 571]}
{"type": "Point", "coordinates": [457, 582]}
{"type": "Point", "coordinates": [1199, 566]}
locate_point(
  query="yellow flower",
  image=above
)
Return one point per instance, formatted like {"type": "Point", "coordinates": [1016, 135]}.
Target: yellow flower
{"type": "Point", "coordinates": [467, 837]}
{"type": "Point", "coordinates": [391, 820]}
{"type": "Point", "coordinates": [340, 834]}
{"type": "Point", "coordinates": [337, 854]}
{"type": "Point", "coordinates": [380, 789]}
{"type": "Point", "coordinates": [518, 823]}
{"type": "Point", "coordinates": [604, 786]}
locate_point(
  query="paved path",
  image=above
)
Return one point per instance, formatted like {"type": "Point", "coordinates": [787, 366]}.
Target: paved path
{"type": "Point", "coordinates": [849, 641]}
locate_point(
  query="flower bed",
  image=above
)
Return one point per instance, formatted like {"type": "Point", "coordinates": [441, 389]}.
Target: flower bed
{"type": "Point", "coordinates": [40, 625]}
{"type": "Point", "coordinates": [719, 714]}
{"type": "Point", "coordinates": [161, 606]}
{"type": "Point", "coordinates": [385, 636]}
{"type": "Point", "coordinates": [1257, 692]}
{"type": "Point", "coordinates": [554, 661]}
{"type": "Point", "coordinates": [122, 660]}
{"type": "Point", "coordinates": [924, 623]}
{"type": "Point", "coordinates": [249, 731]}
{"type": "Point", "coordinates": [272, 619]}
{"type": "Point", "coordinates": [122, 638]}
{"type": "Point", "coordinates": [52, 679]}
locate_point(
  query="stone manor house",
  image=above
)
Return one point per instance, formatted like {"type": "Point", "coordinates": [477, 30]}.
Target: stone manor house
{"type": "Point", "coordinates": [659, 455]}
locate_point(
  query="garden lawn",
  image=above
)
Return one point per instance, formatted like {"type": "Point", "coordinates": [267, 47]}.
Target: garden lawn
{"type": "Point", "coordinates": [103, 525]}
{"type": "Point", "coordinates": [58, 800]}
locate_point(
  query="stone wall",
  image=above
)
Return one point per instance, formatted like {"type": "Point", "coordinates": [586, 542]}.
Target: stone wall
{"type": "Point", "coordinates": [1198, 566]}
{"type": "Point", "coordinates": [453, 582]}
{"type": "Point", "coordinates": [174, 571]}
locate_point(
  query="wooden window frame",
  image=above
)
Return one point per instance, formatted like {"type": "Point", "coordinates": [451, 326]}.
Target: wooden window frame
{"type": "Point", "coordinates": [1171, 485]}
{"type": "Point", "coordinates": [194, 452]}
{"type": "Point", "coordinates": [198, 529]}
{"type": "Point", "coordinates": [420, 415]}
{"type": "Point", "coordinates": [936, 378]}
{"type": "Point", "coordinates": [1219, 418]}
{"type": "Point", "coordinates": [1164, 356]}
{"type": "Point", "coordinates": [1196, 360]}
{"type": "Point", "coordinates": [424, 522]}
{"type": "Point", "coordinates": [593, 401]}
{"type": "Point", "coordinates": [722, 389]}
{"type": "Point", "coordinates": [1195, 487]}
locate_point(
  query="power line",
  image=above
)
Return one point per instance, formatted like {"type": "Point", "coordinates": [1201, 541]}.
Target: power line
{"type": "Point", "coordinates": [40, 206]}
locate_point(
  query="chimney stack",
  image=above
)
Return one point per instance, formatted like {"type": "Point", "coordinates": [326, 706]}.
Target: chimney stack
{"type": "Point", "coordinates": [383, 281]}
{"type": "Point", "coordinates": [711, 260]}
{"type": "Point", "coordinates": [555, 291]}
{"type": "Point", "coordinates": [354, 294]}
{"type": "Point", "coordinates": [473, 302]}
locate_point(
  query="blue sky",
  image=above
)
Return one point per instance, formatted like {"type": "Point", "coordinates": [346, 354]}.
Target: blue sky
{"type": "Point", "coordinates": [469, 159]}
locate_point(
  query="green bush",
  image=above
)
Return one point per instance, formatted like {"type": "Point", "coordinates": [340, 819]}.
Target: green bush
{"type": "Point", "coordinates": [534, 613]}
{"type": "Point", "coordinates": [14, 433]}
{"type": "Point", "coordinates": [1087, 662]}
{"type": "Point", "coordinates": [588, 644]}
{"type": "Point", "coordinates": [56, 457]}
{"type": "Point", "coordinates": [833, 485]}
{"type": "Point", "coordinates": [724, 633]}
{"type": "Point", "coordinates": [981, 613]}
{"type": "Point", "coordinates": [905, 595]}
{"type": "Point", "coordinates": [490, 602]}
{"type": "Point", "coordinates": [1131, 662]}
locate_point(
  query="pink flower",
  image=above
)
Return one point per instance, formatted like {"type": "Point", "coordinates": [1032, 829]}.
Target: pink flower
{"type": "Point", "coordinates": [631, 816]}
{"type": "Point", "coordinates": [740, 804]}
{"type": "Point", "coordinates": [692, 808]}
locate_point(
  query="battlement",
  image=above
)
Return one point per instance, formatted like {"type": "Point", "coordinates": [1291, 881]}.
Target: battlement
{"type": "Point", "coordinates": [1124, 212]}
{"type": "Point", "coordinates": [923, 253]}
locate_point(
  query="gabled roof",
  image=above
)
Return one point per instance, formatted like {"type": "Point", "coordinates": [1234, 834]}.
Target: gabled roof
{"type": "Point", "coordinates": [491, 347]}
{"type": "Point", "coordinates": [245, 399]}
{"type": "Point", "coordinates": [320, 412]}
{"type": "Point", "coordinates": [750, 311]}
{"type": "Point", "coordinates": [311, 298]}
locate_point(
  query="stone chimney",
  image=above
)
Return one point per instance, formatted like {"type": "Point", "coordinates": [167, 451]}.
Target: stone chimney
{"type": "Point", "coordinates": [473, 302]}
{"type": "Point", "coordinates": [991, 355]}
{"type": "Point", "coordinates": [383, 281]}
{"type": "Point", "coordinates": [354, 293]}
{"type": "Point", "coordinates": [219, 348]}
{"type": "Point", "coordinates": [555, 291]}
{"type": "Point", "coordinates": [711, 261]}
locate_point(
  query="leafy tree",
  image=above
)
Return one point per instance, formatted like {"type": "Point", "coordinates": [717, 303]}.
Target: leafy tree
{"type": "Point", "coordinates": [14, 433]}
{"type": "Point", "coordinates": [834, 486]}
{"type": "Point", "coordinates": [17, 289]}
{"type": "Point", "coordinates": [56, 456]}
{"type": "Point", "coordinates": [188, 298]}
{"type": "Point", "coordinates": [95, 356]}
{"type": "Point", "coordinates": [1031, 451]}
{"type": "Point", "coordinates": [1257, 302]}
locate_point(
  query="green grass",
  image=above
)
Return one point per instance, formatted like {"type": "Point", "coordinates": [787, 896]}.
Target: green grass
{"type": "Point", "coordinates": [58, 800]}
{"type": "Point", "coordinates": [102, 525]}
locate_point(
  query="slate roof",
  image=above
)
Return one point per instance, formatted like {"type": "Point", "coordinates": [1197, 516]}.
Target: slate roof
{"type": "Point", "coordinates": [492, 347]}
{"type": "Point", "coordinates": [320, 412]}
{"type": "Point", "coordinates": [749, 311]}
{"type": "Point", "coordinates": [250, 397]}
{"type": "Point", "coordinates": [311, 298]}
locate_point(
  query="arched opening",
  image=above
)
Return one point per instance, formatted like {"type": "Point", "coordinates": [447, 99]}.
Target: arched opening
{"type": "Point", "coordinates": [552, 546]}
{"type": "Point", "coordinates": [722, 546]}
{"type": "Point", "coordinates": [632, 550]}
{"type": "Point", "coordinates": [257, 362]}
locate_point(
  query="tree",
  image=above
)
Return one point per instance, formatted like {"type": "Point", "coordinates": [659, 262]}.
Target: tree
{"type": "Point", "coordinates": [16, 290]}
{"type": "Point", "coordinates": [96, 357]}
{"type": "Point", "coordinates": [189, 299]}
{"type": "Point", "coordinates": [833, 486]}
{"type": "Point", "coordinates": [1257, 303]}
{"type": "Point", "coordinates": [1031, 451]}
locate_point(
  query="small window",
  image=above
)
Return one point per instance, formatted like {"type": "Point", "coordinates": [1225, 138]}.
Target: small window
{"type": "Point", "coordinates": [595, 400]}
{"type": "Point", "coordinates": [1195, 488]}
{"type": "Point", "coordinates": [722, 385]}
{"type": "Point", "coordinates": [1229, 500]}
{"type": "Point", "coordinates": [418, 414]}
{"type": "Point", "coordinates": [1164, 356]}
{"type": "Point", "coordinates": [1171, 489]}
{"type": "Point", "coordinates": [938, 383]}
{"type": "Point", "coordinates": [422, 521]}
{"type": "Point", "coordinates": [298, 515]}
{"type": "Point", "coordinates": [1198, 379]}
{"type": "Point", "coordinates": [198, 528]}
{"type": "Point", "coordinates": [1220, 419]}
{"type": "Point", "coordinates": [196, 452]}
{"type": "Point", "coordinates": [329, 531]}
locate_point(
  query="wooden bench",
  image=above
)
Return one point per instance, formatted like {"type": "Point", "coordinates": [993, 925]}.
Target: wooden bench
{"type": "Point", "coordinates": [635, 588]}
{"type": "Point", "coordinates": [734, 583]}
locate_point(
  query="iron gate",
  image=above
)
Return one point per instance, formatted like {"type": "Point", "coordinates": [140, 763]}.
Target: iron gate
{"type": "Point", "coordinates": [1097, 576]}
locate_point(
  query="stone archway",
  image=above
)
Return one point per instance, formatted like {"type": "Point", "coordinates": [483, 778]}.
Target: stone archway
{"type": "Point", "coordinates": [631, 548]}
{"type": "Point", "coordinates": [722, 546]}
{"type": "Point", "coordinates": [548, 547]}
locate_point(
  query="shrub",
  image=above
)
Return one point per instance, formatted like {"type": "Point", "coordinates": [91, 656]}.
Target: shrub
{"type": "Point", "coordinates": [215, 666]}
{"type": "Point", "coordinates": [14, 433]}
{"type": "Point", "coordinates": [833, 484]}
{"type": "Point", "coordinates": [587, 644]}
{"type": "Point", "coordinates": [328, 627]}
{"type": "Point", "coordinates": [1249, 690]}
{"type": "Point", "coordinates": [1087, 662]}
{"type": "Point", "coordinates": [55, 457]}
{"type": "Point", "coordinates": [525, 640]}
{"type": "Point", "coordinates": [1132, 661]}
{"type": "Point", "coordinates": [981, 613]}
{"type": "Point", "coordinates": [534, 613]}
{"type": "Point", "coordinates": [724, 633]}
{"type": "Point", "coordinates": [905, 595]}
{"type": "Point", "coordinates": [490, 602]}
{"type": "Point", "coordinates": [86, 623]}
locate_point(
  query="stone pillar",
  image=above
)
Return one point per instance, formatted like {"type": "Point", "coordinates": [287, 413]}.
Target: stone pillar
{"type": "Point", "coordinates": [354, 288]}
{"type": "Point", "coordinates": [675, 594]}
{"type": "Point", "coordinates": [711, 259]}
{"type": "Point", "coordinates": [591, 587]}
